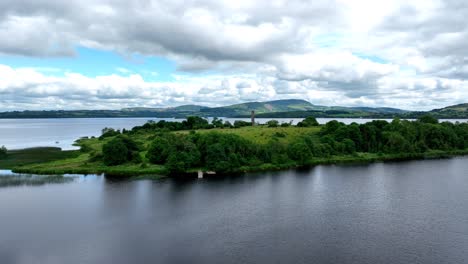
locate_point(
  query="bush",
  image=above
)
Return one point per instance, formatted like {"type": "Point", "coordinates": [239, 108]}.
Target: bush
{"type": "Point", "coordinates": [240, 123]}
{"type": "Point", "coordinates": [3, 152]}
{"type": "Point", "coordinates": [120, 150]}
{"type": "Point", "coordinates": [114, 152]}
{"type": "Point", "coordinates": [109, 132]}
{"type": "Point", "coordinates": [159, 150]}
{"type": "Point", "coordinates": [299, 152]}
{"type": "Point", "coordinates": [272, 123]}
{"type": "Point", "coordinates": [218, 123]}
{"type": "Point", "coordinates": [308, 122]}
{"type": "Point", "coordinates": [228, 124]}
{"type": "Point", "coordinates": [428, 119]}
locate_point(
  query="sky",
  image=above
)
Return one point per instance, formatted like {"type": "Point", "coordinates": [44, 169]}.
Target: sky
{"type": "Point", "coordinates": [112, 54]}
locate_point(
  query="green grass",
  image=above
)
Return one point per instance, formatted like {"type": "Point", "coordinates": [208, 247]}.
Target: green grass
{"type": "Point", "coordinates": [22, 157]}
{"type": "Point", "coordinates": [81, 165]}
{"type": "Point", "coordinates": [263, 134]}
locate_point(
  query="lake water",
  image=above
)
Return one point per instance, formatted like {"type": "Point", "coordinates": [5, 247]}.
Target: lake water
{"type": "Point", "coordinates": [405, 212]}
{"type": "Point", "coordinates": [62, 132]}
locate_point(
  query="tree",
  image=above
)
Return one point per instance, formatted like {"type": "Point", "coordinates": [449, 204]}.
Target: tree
{"type": "Point", "coordinates": [227, 124]}
{"type": "Point", "coordinates": [159, 150]}
{"type": "Point", "coordinates": [115, 152]}
{"type": "Point", "coordinates": [396, 143]}
{"type": "Point", "coordinates": [308, 122]}
{"type": "Point", "coordinates": [120, 150]}
{"type": "Point", "coordinates": [108, 132]}
{"type": "Point", "coordinates": [3, 152]}
{"type": "Point", "coordinates": [195, 122]}
{"type": "Point", "coordinates": [299, 152]}
{"type": "Point", "coordinates": [349, 146]}
{"type": "Point", "coordinates": [428, 119]}
{"type": "Point", "coordinates": [183, 154]}
{"type": "Point", "coordinates": [218, 123]}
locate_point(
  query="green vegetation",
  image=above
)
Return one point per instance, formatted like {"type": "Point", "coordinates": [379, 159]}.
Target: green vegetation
{"type": "Point", "coordinates": [17, 158]}
{"type": "Point", "coordinates": [178, 147]}
{"type": "Point", "coordinates": [309, 121]}
{"type": "Point", "coordinates": [3, 152]}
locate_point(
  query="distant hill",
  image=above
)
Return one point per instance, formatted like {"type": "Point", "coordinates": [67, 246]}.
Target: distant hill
{"type": "Point", "coordinates": [379, 110]}
{"type": "Point", "coordinates": [290, 108]}
{"type": "Point", "coordinates": [260, 107]}
{"type": "Point", "coordinates": [182, 108]}
{"type": "Point", "coordinates": [454, 111]}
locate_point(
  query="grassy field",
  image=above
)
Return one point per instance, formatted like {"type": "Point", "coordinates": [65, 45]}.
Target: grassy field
{"type": "Point", "coordinates": [263, 134]}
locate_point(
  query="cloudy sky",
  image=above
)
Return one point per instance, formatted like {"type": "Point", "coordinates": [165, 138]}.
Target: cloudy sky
{"type": "Point", "coordinates": [109, 54]}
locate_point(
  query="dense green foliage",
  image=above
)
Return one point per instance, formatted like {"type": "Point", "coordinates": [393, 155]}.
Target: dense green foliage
{"type": "Point", "coordinates": [224, 152]}
{"type": "Point", "coordinates": [3, 152]}
{"type": "Point", "coordinates": [120, 150]}
{"type": "Point", "coordinates": [272, 123]}
{"type": "Point", "coordinates": [308, 122]}
{"type": "Point", "coordinates": [109, 132]}
{"type": "Point", "coordinates": [191, 123]}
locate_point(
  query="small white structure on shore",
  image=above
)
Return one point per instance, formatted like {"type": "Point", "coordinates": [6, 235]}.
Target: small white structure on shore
{"type": "Point", "coordinates": [200, 173]}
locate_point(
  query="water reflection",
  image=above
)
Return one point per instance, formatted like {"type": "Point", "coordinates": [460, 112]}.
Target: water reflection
{"type": "Point", "coordinates": [403, 212]}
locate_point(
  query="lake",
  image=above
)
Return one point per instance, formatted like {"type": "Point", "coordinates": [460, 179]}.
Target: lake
{"type": "Point", "coordinates": [402, 212]}
{"type": "Point", "coordinates": [62, 132]}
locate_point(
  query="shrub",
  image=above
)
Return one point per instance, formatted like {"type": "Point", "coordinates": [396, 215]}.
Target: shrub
{"type": "Point", "coordinates": [159, 150]}
{"type": "Point", "coordinates": [272, 123]}
{"type": "Point", "coordinates": [120, 150]}
{"type": "Point", "coordinates": [114, 152]}
{"type": "Point", "coordinates": [109, 132]}
{"type": "Point", "coordinates": [428, 119]}
{"type": "Point", "coordinates": [299, 152]}
{"type": "Point", "coordinates": [240, 123]}
{"type": "Point", "coordinates": [308, 122]}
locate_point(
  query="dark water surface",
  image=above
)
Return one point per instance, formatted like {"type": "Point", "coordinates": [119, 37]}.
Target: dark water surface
{"type": "Point", "coordinates": [407, 212]}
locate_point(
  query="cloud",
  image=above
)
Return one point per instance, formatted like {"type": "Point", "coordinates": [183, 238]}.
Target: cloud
{"type": "Point", "coordinates": [394, 53]}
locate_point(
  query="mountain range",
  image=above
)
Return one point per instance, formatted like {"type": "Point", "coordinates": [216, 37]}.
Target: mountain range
{"type": "Point", "coordinates": [289, 108]}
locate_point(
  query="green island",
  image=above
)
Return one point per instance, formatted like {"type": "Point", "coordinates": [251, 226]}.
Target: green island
{"type": "Point", "coordinates": [158, 149]}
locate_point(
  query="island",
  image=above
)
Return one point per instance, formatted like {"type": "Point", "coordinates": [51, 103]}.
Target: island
{"type": "Point", "coordinates": [159, 149]}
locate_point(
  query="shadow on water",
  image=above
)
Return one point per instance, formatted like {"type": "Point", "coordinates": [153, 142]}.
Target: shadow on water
{"type": "Point", "coordinates": [32, 180]}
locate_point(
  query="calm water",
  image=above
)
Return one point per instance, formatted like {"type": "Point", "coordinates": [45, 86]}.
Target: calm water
{"type": "Point", "coordinates": [407, 212]}
{"type": "Point", "coordinates": [62, 132]}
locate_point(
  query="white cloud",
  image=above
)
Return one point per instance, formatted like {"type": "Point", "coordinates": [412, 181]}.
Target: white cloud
{"type": "Point", "coordinates": [393, 53]}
